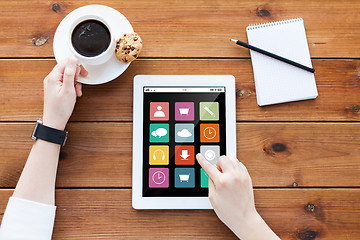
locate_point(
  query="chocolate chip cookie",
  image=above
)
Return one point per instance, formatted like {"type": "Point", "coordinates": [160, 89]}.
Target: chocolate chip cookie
{"type": "Point", "coordinates": [128, 47]}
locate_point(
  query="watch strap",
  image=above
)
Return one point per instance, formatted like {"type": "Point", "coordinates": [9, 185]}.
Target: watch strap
{"type": "Point", "coordinates": [49, 134]}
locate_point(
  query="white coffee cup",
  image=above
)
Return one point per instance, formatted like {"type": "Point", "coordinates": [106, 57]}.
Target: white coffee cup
{"type": "Point", "coordinates": [91, 60]}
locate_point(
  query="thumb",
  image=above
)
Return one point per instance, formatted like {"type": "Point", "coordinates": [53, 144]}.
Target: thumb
{"type": "Point", "coordinates": [69, 75]}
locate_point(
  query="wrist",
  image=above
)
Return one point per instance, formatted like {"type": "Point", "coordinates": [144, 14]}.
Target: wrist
{"type": "Point", "coordinates": [248, 225]}
{"type": "Point", "coordinates": [254, 227]}
{"type": "Point", "coordinates": [53, 123]}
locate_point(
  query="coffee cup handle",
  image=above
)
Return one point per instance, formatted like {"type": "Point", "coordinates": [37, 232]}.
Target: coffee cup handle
{"type": "Point", "coordinates": [80, 62]}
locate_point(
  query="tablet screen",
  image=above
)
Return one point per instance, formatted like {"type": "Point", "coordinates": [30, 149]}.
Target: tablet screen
{"type": "Point", "coordinates": [180, 122]}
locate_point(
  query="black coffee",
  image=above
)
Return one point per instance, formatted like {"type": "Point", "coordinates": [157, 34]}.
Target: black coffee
{"type": "Point", "coordinates": [90, 38]}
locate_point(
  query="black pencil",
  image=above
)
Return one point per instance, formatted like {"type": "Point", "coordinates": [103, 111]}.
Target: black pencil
{"type": "Point", "coordinates": [273, 55]}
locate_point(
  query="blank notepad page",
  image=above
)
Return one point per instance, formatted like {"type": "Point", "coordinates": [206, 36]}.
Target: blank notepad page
{"type": "Point", "coordinates": [276, 81]}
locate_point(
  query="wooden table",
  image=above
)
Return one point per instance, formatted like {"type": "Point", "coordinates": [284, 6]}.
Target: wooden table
{"type": "Point", "coordinates": [304, 157]}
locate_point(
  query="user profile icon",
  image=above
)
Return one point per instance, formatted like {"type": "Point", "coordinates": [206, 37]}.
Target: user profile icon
{"type": "Point", "coordinates": [159, 111]}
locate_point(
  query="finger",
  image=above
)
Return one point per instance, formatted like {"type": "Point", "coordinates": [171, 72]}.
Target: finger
{"type": "Point", "coordinates": [57, 72]}
{"type": "Point", "coordinates": [242, 167]}
{"type": "Point", "coordinates": [77, 72]}
{"type": "Point", "coordinates": [78, 89]}
{"type": "Point", "coordinates": [60, 67]}
{"type": "Point", "coordinates": [211, 187]}
{"type": "Point", "coordinates": [219, 168]}
{"type": "Point", "coordinates": [83, 71]}
{"type": "Point", "coordinates": [238, 165]}
{"type": "Point", "coordinates": [226, 164]}
{"type": "Point", "coordinates": [78, 85]}
{"type": "Point", "coordinates": [69, 75]}
{"type": "Point", "coordinates": [209, 168]}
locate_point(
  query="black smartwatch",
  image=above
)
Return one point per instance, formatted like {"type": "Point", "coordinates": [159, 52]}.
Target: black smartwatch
{"type": "Point", "coordinates": [49, 134]}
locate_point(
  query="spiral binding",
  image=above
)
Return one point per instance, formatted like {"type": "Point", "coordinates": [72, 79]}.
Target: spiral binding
{"type": "Point", "coordinates": [271, 24]}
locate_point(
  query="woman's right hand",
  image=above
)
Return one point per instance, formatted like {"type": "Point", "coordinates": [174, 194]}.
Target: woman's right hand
{"type": "Point", "coordinates": [231, 195]}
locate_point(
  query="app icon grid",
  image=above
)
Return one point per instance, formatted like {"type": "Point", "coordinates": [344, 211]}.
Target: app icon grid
{"type": "Point", "coordinates": [175, 124]}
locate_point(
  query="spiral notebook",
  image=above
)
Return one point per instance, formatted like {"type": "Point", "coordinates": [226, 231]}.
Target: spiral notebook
{"type": "Point", "coordinates": [276, 81]}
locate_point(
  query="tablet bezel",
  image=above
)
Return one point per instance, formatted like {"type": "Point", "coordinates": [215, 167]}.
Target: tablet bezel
{"type": "Point", "coordinates": [141, 81]}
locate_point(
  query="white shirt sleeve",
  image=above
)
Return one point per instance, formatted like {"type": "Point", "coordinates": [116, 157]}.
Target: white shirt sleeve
{"type": "Point", "coordinates": [27, 220]}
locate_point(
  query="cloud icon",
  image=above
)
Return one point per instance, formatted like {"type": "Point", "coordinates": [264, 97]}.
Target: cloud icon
{"type": "Point", "coordinates": [184, 133]}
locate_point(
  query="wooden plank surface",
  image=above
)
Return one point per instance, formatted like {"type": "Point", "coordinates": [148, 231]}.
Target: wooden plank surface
{"type": "Point", "coordinates": [312, 144]}
{"type": "Point", "coordinates": [276, 154]}
{"type": "Point", "coordinates": [187, 28]}
{"type": "Point", "coordinates": [293, 214]}
{"type": "Point", "coordinates": [338, 83]}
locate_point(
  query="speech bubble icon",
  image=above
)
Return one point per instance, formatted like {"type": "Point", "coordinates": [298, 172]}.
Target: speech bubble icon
{"type": "Point", "coordinates": [160, 132]}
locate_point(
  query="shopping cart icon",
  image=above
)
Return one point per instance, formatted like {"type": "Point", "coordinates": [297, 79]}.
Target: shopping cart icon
{"type": "Point", "coordinates": [184, 177]}
{"type": "Point", "coordinates": [184, 111]}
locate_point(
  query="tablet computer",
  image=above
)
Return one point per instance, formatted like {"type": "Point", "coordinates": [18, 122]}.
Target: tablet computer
{"type": "Point", "coordinates": [175, 117]}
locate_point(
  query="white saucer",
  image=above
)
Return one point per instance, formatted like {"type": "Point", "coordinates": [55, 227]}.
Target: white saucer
{"type": "Point", "coordinates": [100, 73]}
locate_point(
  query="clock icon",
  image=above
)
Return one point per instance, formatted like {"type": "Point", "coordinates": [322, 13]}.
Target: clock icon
{"type": "Point", "coordinates": [158, 177]}
{"type": "Point", "coordinates": [209, 133]}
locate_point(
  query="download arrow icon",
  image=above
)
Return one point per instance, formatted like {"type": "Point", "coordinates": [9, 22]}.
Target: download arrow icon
{"type": "Point", "coordinates": [184, 154]}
